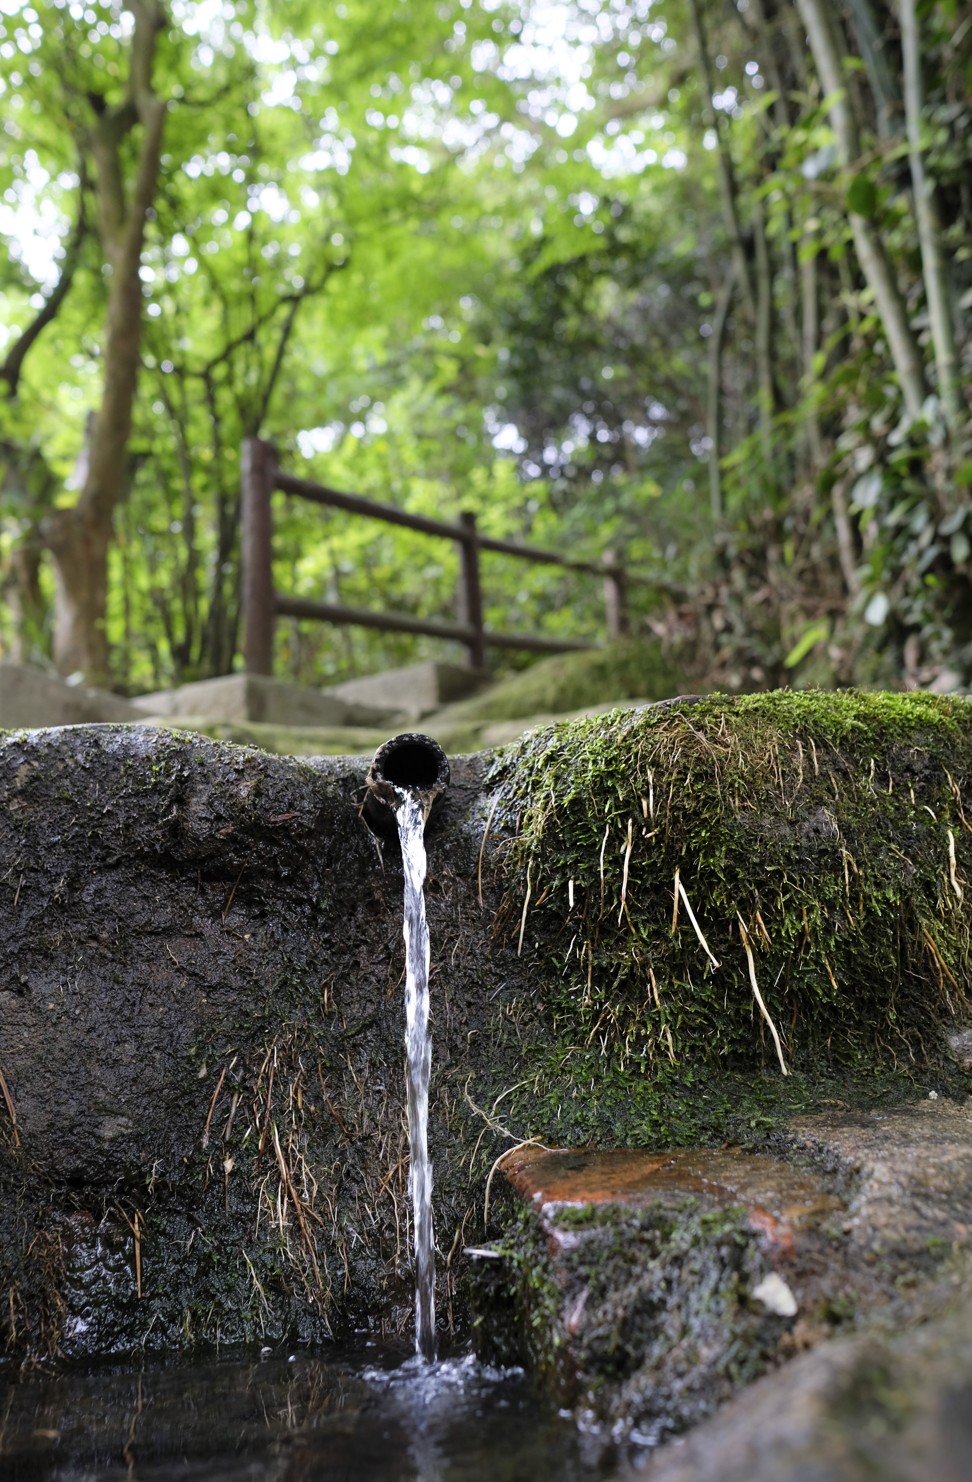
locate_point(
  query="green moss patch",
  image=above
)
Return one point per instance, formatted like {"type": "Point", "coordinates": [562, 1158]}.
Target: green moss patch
{"type": "Point", "coordinates": [774, 881]}
{"type": "Point", "coordinates": [631, 669]}
{"type": "Point", "coordinates": [640, 1319]}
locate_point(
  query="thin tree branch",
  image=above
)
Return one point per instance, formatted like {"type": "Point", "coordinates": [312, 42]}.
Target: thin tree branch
{"type": "Point", "coordinates": [724, 165]}
{"type": "Point", "coordinates": [13, 364]}
{"type": "Point", "coordinates": [284, 339]}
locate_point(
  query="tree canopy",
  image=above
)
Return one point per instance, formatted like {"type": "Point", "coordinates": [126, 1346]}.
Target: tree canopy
{"type": "Point", "coordinates": [688, 279]}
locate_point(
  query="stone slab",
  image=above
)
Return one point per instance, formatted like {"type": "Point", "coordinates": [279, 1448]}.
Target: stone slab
{"type": "Point", "coordinates": [663, 1279]}
{"type": "Point", "coordinates": [33, 699]}
{"type": "Point", "coordinates": [913, 1165]}
{"type": "Point", "coordinates": [778, 1198]}
{"type": "Point", "coordinates": [413, 691]}
{"type": "Point", "coordinates": [643, 1286]}
{"type": "Point", "coordinates": [255, 697]}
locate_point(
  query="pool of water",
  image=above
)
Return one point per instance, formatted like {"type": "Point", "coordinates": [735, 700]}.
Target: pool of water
{"type": "Point", "coordinates": [359, 1412]}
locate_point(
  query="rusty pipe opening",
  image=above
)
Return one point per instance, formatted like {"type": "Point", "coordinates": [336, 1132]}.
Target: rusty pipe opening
{"type": "Point", "coordinates": [408, 764]}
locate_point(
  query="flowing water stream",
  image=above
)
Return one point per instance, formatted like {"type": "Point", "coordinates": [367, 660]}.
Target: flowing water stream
{"type": "Point", "coordinates": [411, 831]}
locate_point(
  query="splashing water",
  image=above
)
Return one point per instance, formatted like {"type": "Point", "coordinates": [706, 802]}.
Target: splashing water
{"type": "Point", "coordinates": [418, 1045]}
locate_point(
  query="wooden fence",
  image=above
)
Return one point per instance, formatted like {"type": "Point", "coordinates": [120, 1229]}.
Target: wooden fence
{"type": "Point", "coordinates": [262, 604]}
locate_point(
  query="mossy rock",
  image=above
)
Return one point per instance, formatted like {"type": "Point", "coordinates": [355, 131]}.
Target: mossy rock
{"type": "Point", "coordinates": [638, 1318]}
{"type": "Point", "coordinates": [774, 882]}
{"type": "Point", "coordinates": [639, 669]}
{"type": "Point", "coordinates": [214, 926]}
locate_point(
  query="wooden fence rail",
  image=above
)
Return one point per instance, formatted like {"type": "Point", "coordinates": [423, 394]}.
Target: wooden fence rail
{"type": "Point", "coordinates": [262, 604]}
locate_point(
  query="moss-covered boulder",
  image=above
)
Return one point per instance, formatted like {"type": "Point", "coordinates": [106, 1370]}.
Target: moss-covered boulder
{"type": "Point", "coordinates": [631, 668]}
{"type": "Point", "coordinates": [637, 922]}
{"type": "Point", "coordinates": [778, 882]}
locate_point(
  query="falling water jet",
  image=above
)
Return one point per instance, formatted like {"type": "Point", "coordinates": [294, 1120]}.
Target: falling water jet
{"type": "Point", "coordinates": [406, 780]}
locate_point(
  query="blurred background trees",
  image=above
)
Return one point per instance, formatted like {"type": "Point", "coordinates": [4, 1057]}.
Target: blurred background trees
{"type": "Point", "coordinates": [690, 280]}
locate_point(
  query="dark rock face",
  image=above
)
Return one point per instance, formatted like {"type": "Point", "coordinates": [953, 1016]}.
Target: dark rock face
{"type": "Point", "coordinates": [137, 936]}
{"type": "Point", "coordinates": [201, 1041]}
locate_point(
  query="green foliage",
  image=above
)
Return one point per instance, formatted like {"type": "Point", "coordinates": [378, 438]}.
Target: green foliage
{"type": "Point", "coordinates": [460, 256]}
{"type": "Point", "coordinates": [862, 196]}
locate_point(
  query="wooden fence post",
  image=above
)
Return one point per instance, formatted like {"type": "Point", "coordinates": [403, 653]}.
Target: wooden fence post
{"type": "Point", "coordinates": [615, 596]}
{"type": "Point", "coordinates": [470, 603]}
{"type": "Point", "coordinates": [256, 487]}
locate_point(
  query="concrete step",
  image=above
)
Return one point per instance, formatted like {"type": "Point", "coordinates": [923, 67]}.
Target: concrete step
{"type": "Point", "coordinates": [255, 697]}
{"type": "Point", "coordinates": [412, 692]}
{"type": "Point", "coordinates": [31, 698]}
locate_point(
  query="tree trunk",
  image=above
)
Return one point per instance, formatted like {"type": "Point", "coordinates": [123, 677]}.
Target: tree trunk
{"type": "Point", "coordinates": [79, 537]}
{"type": "Point", "coordinates": [933, 269]}
{"type": "Point", "coordinates": [79, 547]}
{"type": "Point", "coordinates": [766, 391]}
{"type": "Point", "coordinates": [25, 601]}
{"type": "Point", "coordinates": [846, 544]}
{"type": "Point", "coordinates": [728, 192]}
{"type": "Point", "coordinates": [872, 37]}
{"type": "Point", "coordinates": [868, 244]}
{"type": "Point", "coordinates": [809, 345]}
{"type": "Point", "coordinates": [717, 341]}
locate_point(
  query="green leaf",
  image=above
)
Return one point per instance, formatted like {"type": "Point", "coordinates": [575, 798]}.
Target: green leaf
{"type": "Point", "coordinates": [862, 197]}
{"type": "Point", "coordinates": [960, 548]}
{"type": "Point", "coordinates": [818, 632]}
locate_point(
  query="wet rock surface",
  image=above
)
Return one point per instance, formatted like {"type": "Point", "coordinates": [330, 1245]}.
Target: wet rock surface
{"type": "Point", "coordinates": [651, 1287]}
{"type": "Point", "coordinates": [202, 1119]}
{"type": "Point", "coordinates": [897, 1408]}
{"type": "Point", "coordinates": [913, 1201]}
{"type": "Point", "coordinates": [201, 1028]}
{"type": "Point", "coordinates": [779, 1199]}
